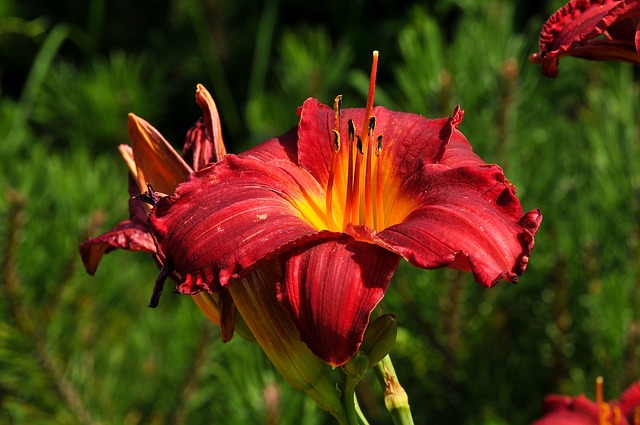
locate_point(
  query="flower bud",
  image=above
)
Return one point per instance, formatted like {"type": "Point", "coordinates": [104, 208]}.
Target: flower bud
{"type": "Point", "coordinates": [379, 338]}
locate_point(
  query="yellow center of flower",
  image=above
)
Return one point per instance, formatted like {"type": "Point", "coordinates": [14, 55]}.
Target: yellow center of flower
{"type": "Point", "coordinates": [359, 184]}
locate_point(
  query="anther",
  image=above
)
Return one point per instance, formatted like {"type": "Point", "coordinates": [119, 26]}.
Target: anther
{"type": "Point", "coordinates": [336, 141]}
{"type": "Point", "coordinates": [337, 108]}
{"type": "Point", "coordinates": [351, 130]}
{"type": "Point", "coordinates": [379, 144]}
{"type": "Point", "coordinates": [372, 125]}
{"type": "Point", "coordinates": [359, 145]}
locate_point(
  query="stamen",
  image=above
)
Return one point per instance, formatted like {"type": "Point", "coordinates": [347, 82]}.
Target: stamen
{"type": "Point", "coordinates": [617, 415]}
{"type": "Point", "coordinates": [379, 204]}
{"type": "Point", "coordinates": [355, 199]}
{"type": "Point", "coordinates": [337, 107]}
{"type": "Point", "coordinates": [329, 200]}
{"type": "Point", "coordinates": [351, 131]}
{"type": "Point", "coordinates": [368, 206]}
{"type": "Point", "coordinates": [372, 124]}
{"type": "Point", "coordinates": [636, 416]}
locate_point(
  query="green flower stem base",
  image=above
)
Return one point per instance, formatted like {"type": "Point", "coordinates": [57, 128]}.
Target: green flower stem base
{"type": "Point", "coordinates": [395, 398]}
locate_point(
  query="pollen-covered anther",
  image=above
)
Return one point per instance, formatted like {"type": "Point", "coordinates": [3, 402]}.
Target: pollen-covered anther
{"type": "Point", "coordinates": [336, 141]}
{"type": "Point", "coordinates": [337, 108]}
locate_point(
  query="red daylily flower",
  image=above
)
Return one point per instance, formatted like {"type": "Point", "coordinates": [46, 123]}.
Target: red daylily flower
{"type": "Point", "coordinates": [338, 208]}
{"type": "Point", "coordinates": [565, 410]}
{"type": "Point", "coordinates": [573, 31]}
{"type": "Point", "coordinates": [153, 162]}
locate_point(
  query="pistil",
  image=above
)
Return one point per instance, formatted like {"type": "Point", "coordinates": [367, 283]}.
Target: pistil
{"type": "Point", "coordinates": [368, 127]}
{"type": "Point", "coordinates": [600, 401]}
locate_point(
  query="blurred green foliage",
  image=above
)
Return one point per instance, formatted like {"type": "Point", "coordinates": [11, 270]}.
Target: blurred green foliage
{"type": "Point", "coordinates": [80, 349]}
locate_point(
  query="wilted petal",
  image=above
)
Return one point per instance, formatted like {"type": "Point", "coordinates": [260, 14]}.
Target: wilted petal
{"type": "Point", "coordinates": [127, 235]}
{"type": "Point", "coordinates": [228, 217]}
{"type": "Point", "coordinates": [131, 235]}
{"type": "Point", "coordinates": [203, 143]}
{"type": "Point", "coordinates": [467, 218]}
{"type": "Point", "coordinates": [330, 289]}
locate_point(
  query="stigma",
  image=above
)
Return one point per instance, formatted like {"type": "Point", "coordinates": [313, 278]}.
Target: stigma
{"type": "Point", "coordinates": [355, 183]}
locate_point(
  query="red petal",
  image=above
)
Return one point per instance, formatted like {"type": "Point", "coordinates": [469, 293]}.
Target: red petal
{"type": "Point", "coordinates": [630, 401]}
{"type": "Point", "coordinates": [569, 30]}
{"type": "Point", "coordinates": [228, 217]}
{"type": "Point", "coordinates": [314, 139]}
{"type": "Point", "coordinates": [126, 235]}
{"type": "Point", "coordinates": [409, 140]}
{"type": "Point", "coordinates": [467, 218]}
{"type": "Point", "coordinates": [330, 289]}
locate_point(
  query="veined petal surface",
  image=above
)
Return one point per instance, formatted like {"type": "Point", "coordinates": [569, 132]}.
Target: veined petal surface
{"type": "Point", "coordinates": [330, 289]}
{"type": "Point", "coordinates": [467, 218]}
{"type": "Point", "coordinates": [232, 215]}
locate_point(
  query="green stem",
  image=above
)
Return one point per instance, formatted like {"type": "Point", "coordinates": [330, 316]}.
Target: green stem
{"type": "Point", "coordinates": [363, 419]}
{"type": "Point", "coordinates": [395, 398]}
{"type": "Point", "coordinates": [349, 398]}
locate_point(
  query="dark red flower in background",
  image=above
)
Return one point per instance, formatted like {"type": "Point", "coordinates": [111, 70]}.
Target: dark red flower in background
{"type": "Point", "coordinates": [591, 29]}
{"type": "Point", "coordinates": [337, 202]}
{"type": "Point", "coordinates": [565, 410]}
